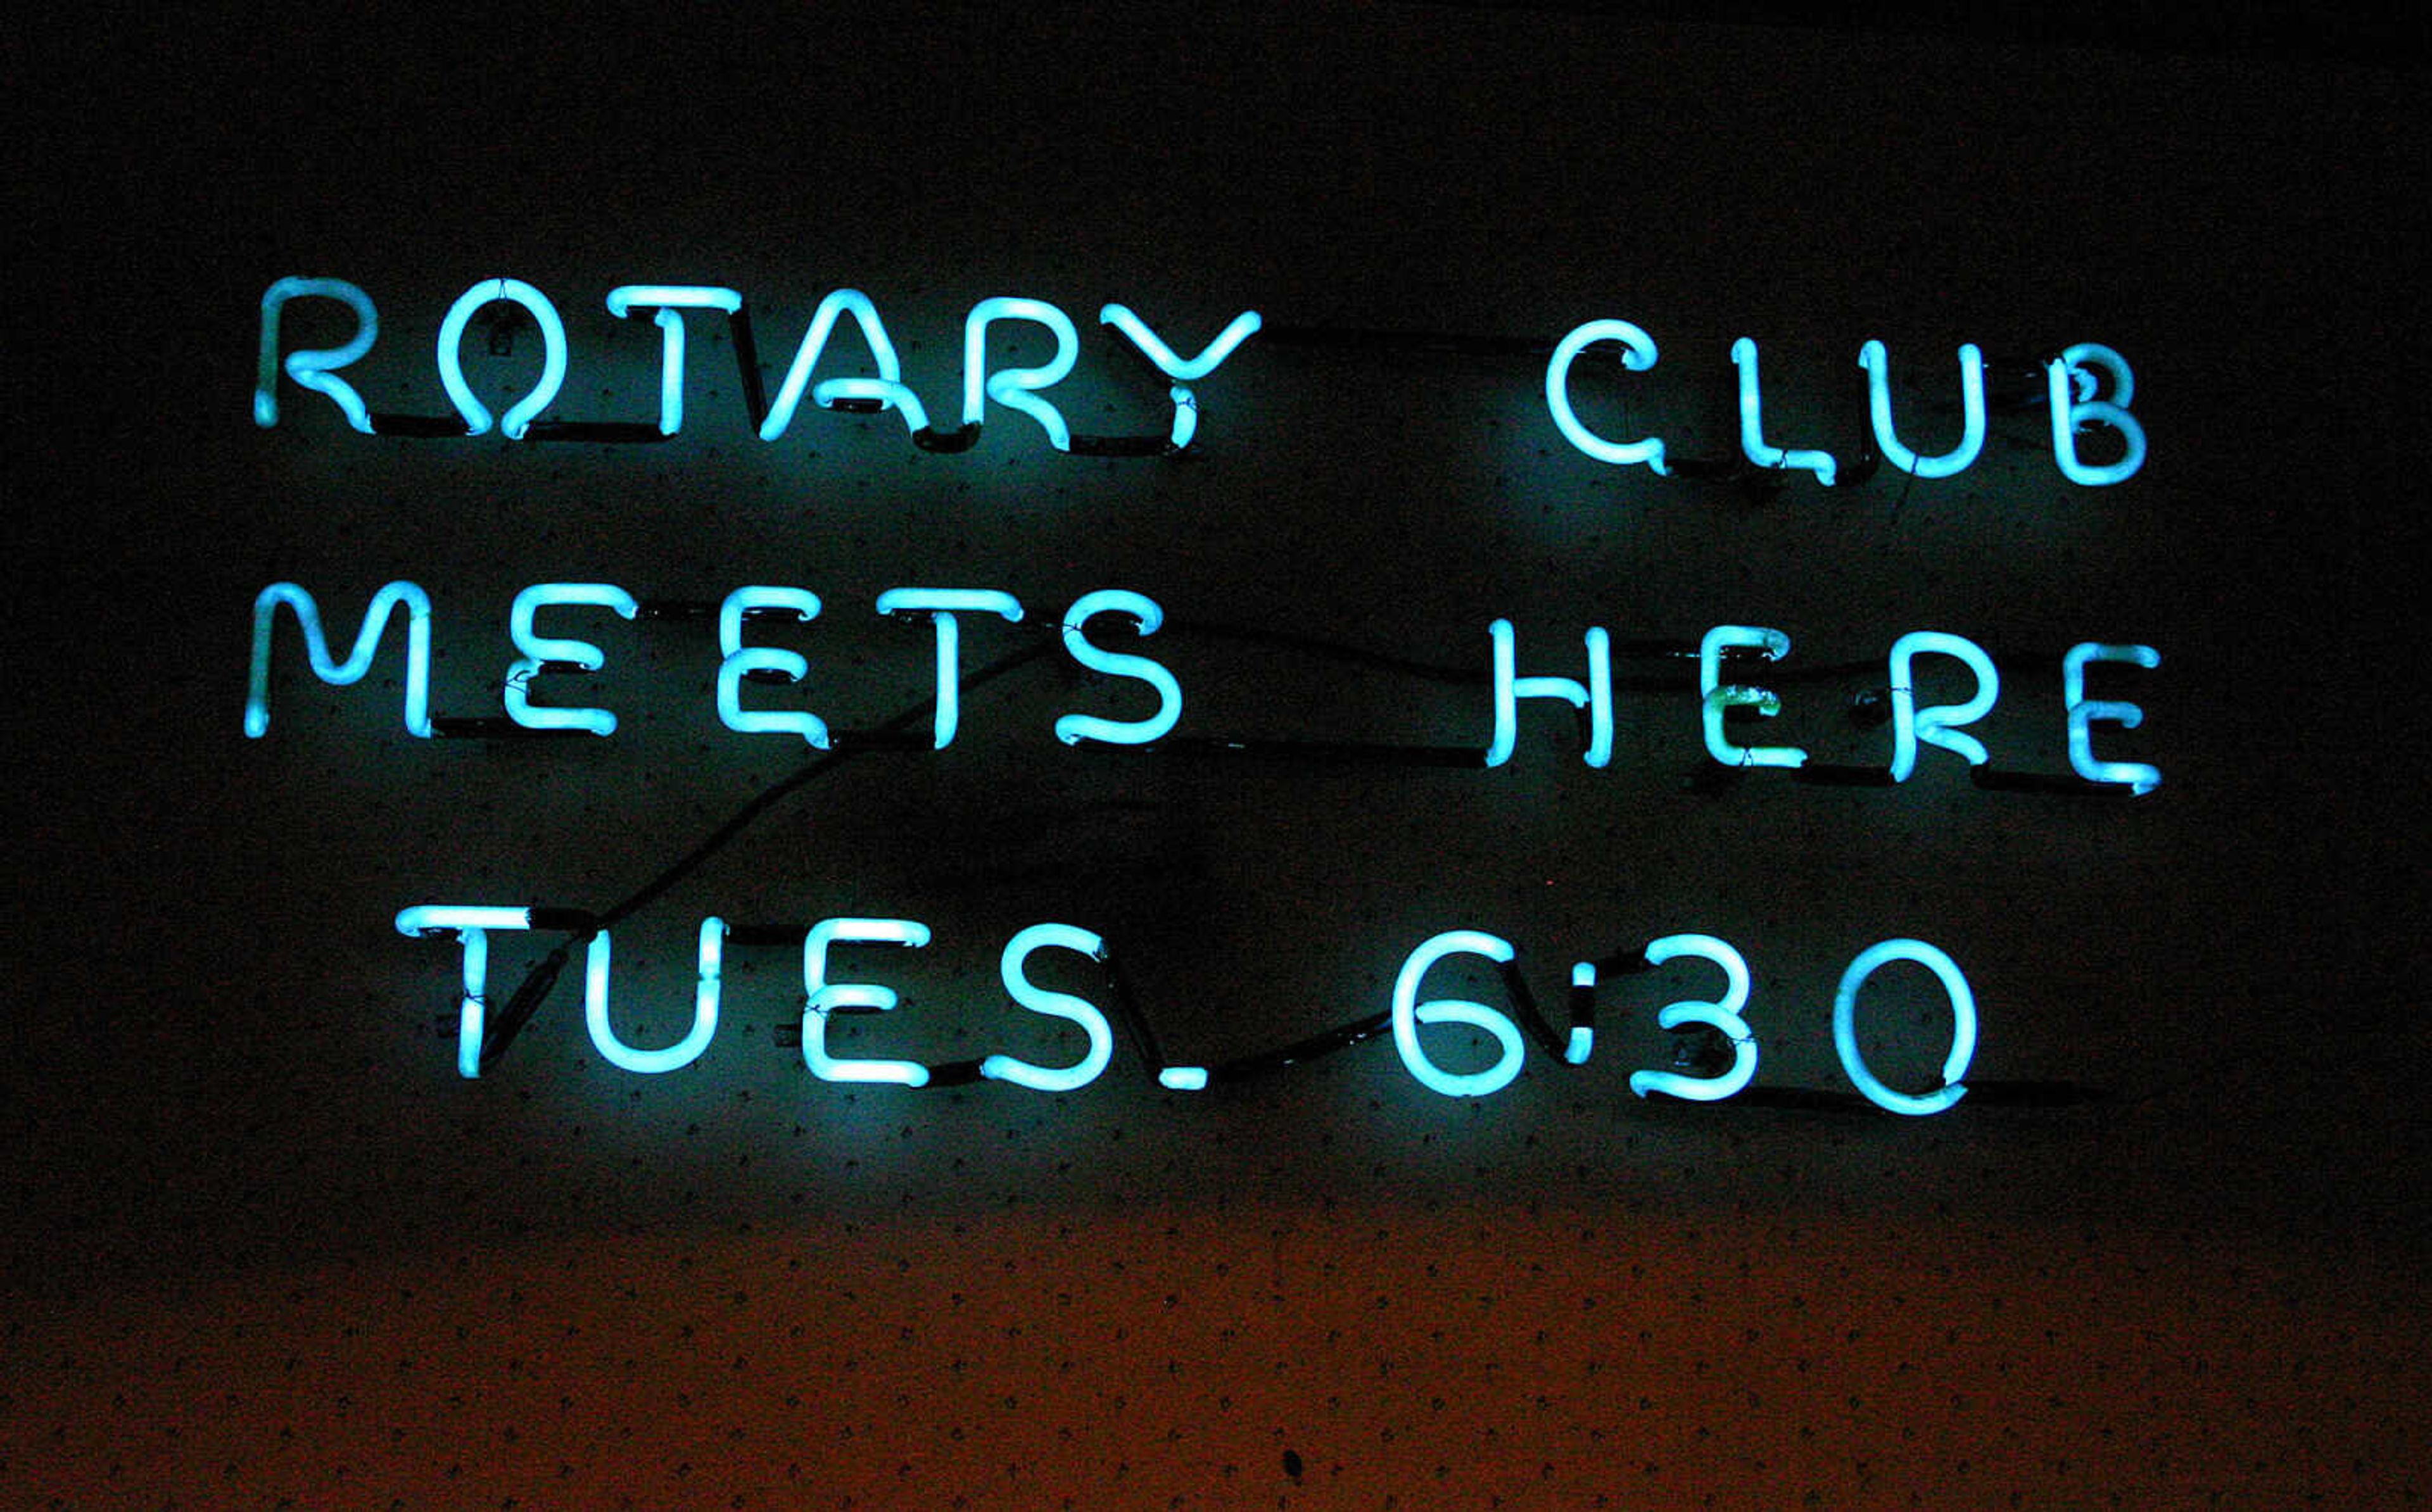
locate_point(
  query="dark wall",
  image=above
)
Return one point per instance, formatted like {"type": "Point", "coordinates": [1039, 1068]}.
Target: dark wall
{"type": "Point", "coordinates": [263, 1241]}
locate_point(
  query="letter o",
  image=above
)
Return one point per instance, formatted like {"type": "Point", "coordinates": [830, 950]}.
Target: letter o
{"type": "Point", "coordinates": [451, 363]}
{"type": "Point", "coordinates": [1963, 1030]}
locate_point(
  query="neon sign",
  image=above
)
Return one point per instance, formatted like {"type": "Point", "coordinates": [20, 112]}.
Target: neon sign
{"type": "Point", "coordinates": [1454, 1047]}
{"type": "Point", "coordinates": [1911, 727]}
{"type": "Point", "coordinates": [825, 996]}
{"type": "Point", "coordinates": [1018, 388]}
{"type": "Point", "coordinates": [2072, 378]}
{"type": "Point", "coordinates": [2087, 385]}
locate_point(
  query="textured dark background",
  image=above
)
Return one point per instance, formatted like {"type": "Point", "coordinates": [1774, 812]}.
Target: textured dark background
{"type": "Point", "coordinates": [261, 1242]}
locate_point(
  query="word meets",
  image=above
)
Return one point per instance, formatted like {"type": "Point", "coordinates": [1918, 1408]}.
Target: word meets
{"type": "Point", "coordinates": [1018, 388]}
{"type": "Point", "coordinates": [551, 654]}
{"type": "Point", "coordinates": [825, 995]}
{"type": "Point", "coordinates": [1726, 653]}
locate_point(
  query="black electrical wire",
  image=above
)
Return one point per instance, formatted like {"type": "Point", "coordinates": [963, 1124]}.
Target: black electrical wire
{"type": "Point", "coordinates": [800, 778]}
{"type": "Point", "coordinates": [534, 988]}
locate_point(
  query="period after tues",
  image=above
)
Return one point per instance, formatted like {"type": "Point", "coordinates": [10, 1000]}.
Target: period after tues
{"type": "Point", "coordinates": [2088, 386]}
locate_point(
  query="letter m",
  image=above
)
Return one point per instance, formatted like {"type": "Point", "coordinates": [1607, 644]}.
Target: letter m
{"type": "Point", "coordinates": [390, 597]}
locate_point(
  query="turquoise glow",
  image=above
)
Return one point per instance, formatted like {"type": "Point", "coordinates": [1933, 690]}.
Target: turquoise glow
{"type": "Point", "coordinates": [1186, 406]}
{"type": "Point", "coordinates": [1016, 387]}
{"type": "Point", "coordinates": [1582, 1042]}
{"type": "Point", "coordinates": [826, 996]}
{"type": "Point", "coordinates": [1637, 355]}
{"type": "Point", "coordinates": [1595, 696]}
{"type": "Point", "coordinates": [1752, 442]}
{"type": "Point", "coordinates": [2070, 386]}
{"type": "Point", "coordinates": [740, 661]}
{"type": "Point", "coordinates": [312, 369]}
{"type": "Point", "coordinates": [941, 605]}
{"type": "Point", "coordinates": [1153, 347]}
{"type": "Point", "coordinates": [1074, 729]}
{"type": "Point", "coordinates": [626, 298]}
{"type": "Point", "coordinates": [1963, 1026]}
{"type": "Point", "coordinates": [1932, 726]}
{"type": "Point", "coordinates": [1186, 417]}
{"type": "Point", "coordinates": [472, 926]}
{"type": "Point", "coordinates": [2083, 711]}
{"type": "Point", "coordinates": [1055, 1005]}
{"type": "Point", "coordinates": [1879, 407]}
{"type": "Point", "coordinates": [520, 416]}
{"type": "Point", "coordinates": [390, 597]}
{"type": "Point", "coordinates": [1722, 1014]}
{"type": "Point", "coordinates": [1409, 1013]}
{"type": "Point", "coordinates": [1183, 1077]}
{"type": "Point", "coordinates": [670, 301]}
{"type": "Point", "coordinates": [887, 389]}
{"type": "Point", "coordinates": [576, 656]}
{"type": "Point", "coordinates": [705, 1012]}
{"type": "Point", "coordinates": [1713, 698]}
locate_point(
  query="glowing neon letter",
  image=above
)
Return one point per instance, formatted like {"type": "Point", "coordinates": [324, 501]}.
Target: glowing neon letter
{"type": "Point", "coordinates": [1153, 347]}
{"type": "Point", "coordinates": [312, 369]}
{"type": "Point", "coordinates": [1911, 724]}
{"type": "Point", "coordinates": [1752, 442]}
{"type": "Point", "coordinates": [2140, 777]}
{"type": "Point", "coordinates": [2071, 411]}
{"type": "Point", "coordinates": [887, 390]}
{"type": "Point", "coordinates": [1015, 387]}
{"type": "Point", "coordinates": [472, 926]}
{"type": "Point", "coordinates": [1595, 698]}
{"type": "Point", "coordinates": [1714, 698]}
{"type": "Point", "coordinates": [741, 661]}
{"type": "Point", "coordinates": [1963, 1026]}
{"type": "Point", "coordinates": [827, 996]}
{"type": "Point", "coordinates": [1723, 1015]}
{"type": "Point", "coordinates": [1409, 1013]}
{"type": "Point", "coordinates": [451, 361]}
{"type": "Point", "coordinates": [1637, 355]}
{"type": "Point", "coordinates": [670, 300]}
{"type": "Point", "coordinates": [392, 596]}
{"type": "Point", "coordinates": [1055, 1005]}
{"type": "Point", "coordinates": [550, 654]}
{"type": "Point", "coordinates": [1186, 407]}
{"type": "Point", "coordinates": [704, 1011]}
{"type": "Point", "coordinates": [1879, 407]}
{"type": "Point", "coordinates": [1582, 1042]}
{"type": "Point", "coordinates": [941, 605]}
{"type": "Point", "coordinates": [1074, 729]}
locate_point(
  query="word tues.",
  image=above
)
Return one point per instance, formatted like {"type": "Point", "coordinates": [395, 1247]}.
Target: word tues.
{"type": "Point", "coordinates": [825, 996]}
